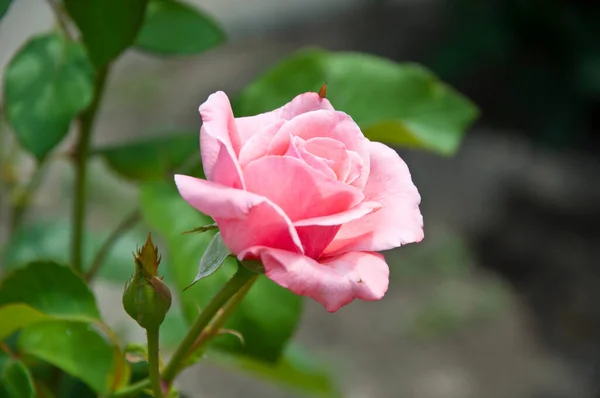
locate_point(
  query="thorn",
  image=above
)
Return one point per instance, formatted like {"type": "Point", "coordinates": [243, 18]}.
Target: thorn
{"type": "Point", "coordinates": [201, 229]}
{"type": "Point", "coordinates": [323, 91]}
{"type": "Point", "coordinates": [234, 333]}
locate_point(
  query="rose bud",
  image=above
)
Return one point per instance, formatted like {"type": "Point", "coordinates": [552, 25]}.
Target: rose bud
{"type": "Point", "coordinates": [146, 298]}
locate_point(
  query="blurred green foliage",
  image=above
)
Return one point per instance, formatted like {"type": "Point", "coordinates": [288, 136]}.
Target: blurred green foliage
{"type": "Point", "coordinates": [47, 83]}
{"type": "Point", "coordinates": [413, 108]}
{"type": "Point", "coordinates": [175, 28]}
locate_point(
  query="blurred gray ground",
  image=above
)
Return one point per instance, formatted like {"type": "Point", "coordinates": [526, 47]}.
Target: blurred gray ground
{"type": "Point", "coordinates": [447, 328]}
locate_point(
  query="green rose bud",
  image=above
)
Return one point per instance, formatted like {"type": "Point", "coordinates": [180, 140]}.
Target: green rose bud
{"type": "Point", "coordinates": [146, 298]}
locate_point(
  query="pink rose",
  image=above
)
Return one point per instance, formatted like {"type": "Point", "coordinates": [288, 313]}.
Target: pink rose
{"type": "Point", "coordinates": [302, 189]}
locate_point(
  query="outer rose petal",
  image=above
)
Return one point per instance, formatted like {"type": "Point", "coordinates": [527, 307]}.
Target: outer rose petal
{"type": "Point", "coordinates": [399, 222]}
{"type": "Point", "coordinates": [226, 170]}
{"type": "Point", "coordinates": [334, 282]}
{"type": "Point", "coordinates": [218, 128]}
{"type": "Point", "coordinates": [244, 219]}
{"type": "Point", "coordinates": [307, 102]}
{"type": "Point", "coordinates": [301, 191]}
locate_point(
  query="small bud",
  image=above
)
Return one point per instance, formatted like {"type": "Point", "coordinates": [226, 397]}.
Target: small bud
{"type": "Point", "coordinates": [146, 298]}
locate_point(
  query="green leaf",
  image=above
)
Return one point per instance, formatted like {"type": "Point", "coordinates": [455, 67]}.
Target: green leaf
{"type": "Point", "coordinates": [401, 104]}
{"type": "Point", "coordinates": [108, 26]}
{"type": "Point", "coordinates": [269, 314]}
{"type": "Point", "coordinates": [17, 316]}
{"type": "Point", "coordinates": [4, 4]}
{"type": "Point", "coordinates": [79, 348]}
{"type": "Point", "coordinates": [17, 380]}
{"type": "Point", "coordinates": [50, 288]}
{"type": "Point", "coordinates": [175, 28]}
{"type": "Point", "coordinates": [215, 254]}
{"type": "Point", "coordinates": [52, 241]}
{"type": "Point", "coordinates": [295, 370]}
{"type": "Point", "coordinates": [46, 84]}
{"type": "Point", "coordinates": [152, 159]}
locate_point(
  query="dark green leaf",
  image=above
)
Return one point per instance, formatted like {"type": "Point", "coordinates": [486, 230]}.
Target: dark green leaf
{"type": "Point", "coordinates": [215, 254]}
{"type": "Point", "coordinates": [175, 28]}
{"type": "Point", "coordinates": [401, 104]}
{"type": "Point", "coordinates": [152, 159]}
{"type": "Point", "coordinates": [17, 380]}
{"type": "Point", "coordinates": [47, 83]}
{"type": "Point", "coordinates": [79, 348]}
{"type": "Point", "coordinates": [50, 288]}
{"type": "Point", "coordinates": [269, 314]}
{"type": "Point", "coordinates": [4, 4]}
{"type": "Point", "coordinates": [108, 26]}
{"type": "Point", "coordinates": [52, 240]}
{"type": "Point", "coordinates": [18, 316]}
{"type": "Point", "coordinates": [295, 370]}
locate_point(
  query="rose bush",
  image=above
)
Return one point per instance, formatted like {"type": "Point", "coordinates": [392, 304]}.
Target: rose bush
{"type": "Point", "coordinates": [303, 191]}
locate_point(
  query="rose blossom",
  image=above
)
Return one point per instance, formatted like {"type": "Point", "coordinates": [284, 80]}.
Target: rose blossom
{"type": "Point", "coordinates": [303, 191]}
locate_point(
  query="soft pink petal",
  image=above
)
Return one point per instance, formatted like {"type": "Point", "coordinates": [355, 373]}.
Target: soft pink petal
{"type": "Point", "coordinates": [307, 102]}
{"type": "Point", "coordinates": [317, 163]}
{"type": "Point", "coordinates": [218, 128]}
{"type": "Point", "coordinates": [352, 214]}
{"type": "Point", "coordinates": [316, 238]}
{"type": "Point", "coordinates": [256, 146]}
{"type": "Point", "coordinates": [334, 282]}
{"type": "Point", "coordinates": [244, 219]}
{"type": "Point", "coordinates": [321, 165]}
{"type": "Point", "coordinates": [298, 189]}
{"type": "Point", "coordinates": [325, 124]}
{"type": "Point", "coordinates": [399, 222]}
{"type": "Point", "coordinates": [332, 150]}
{"type": "Point", "coordinates": [316, 233]}
{"type": "Point", "coordinates": [226, 171]}
{"type": "Point", "coordinates": [356, 165]}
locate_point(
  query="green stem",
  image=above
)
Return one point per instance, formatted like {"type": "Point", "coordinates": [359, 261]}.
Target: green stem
{"type": "Point", "coordinates": [125, 225]}
{"type": "Point", "coordinates": [242, 277]}
{"type": "Point", "coordinates": [152, 335]}
{"type": "Point", "coordinates": [86, 122]}
{"type": "Point", "coordinates": [237, 284]}
{"type": "Point", "coordinates": [217, 323]}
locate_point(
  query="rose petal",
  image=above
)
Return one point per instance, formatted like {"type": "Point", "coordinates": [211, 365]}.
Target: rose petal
{"type": "Point", "coordinates": [298, 189]}
{"type": "Point", "coordinates": [332, 150]}
{"type": "Point", "coordinates": [296, 151]}
{"type": "Point", "coordinates": [244, 219]}
{"type": "Point", "coordinates": [325, 124]}
{"type": "Point", "coordinates": [226, 171]}
{"type": "Point", "coordinates": [256, 146]}
{"type": "Point", "coordinates": [218, 128]}
{"type": "Point", "coordinates": [399, 222]}
{"type": "Point", "coordinates": [306, 102]}
{"type": "Point", "coordinates": [344, 217]}
{"type": "Point", "coordinates": [317, 163]}
{"type": "Point", "coordinates": [356, 165]}
{"type": "Point", "coordinates": [334, 282]}
{"type": "Point", "coordinates": [316, 233]}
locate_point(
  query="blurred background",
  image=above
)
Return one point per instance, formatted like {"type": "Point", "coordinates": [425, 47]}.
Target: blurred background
{"type": "Point", "coordinates": [502, 297]}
